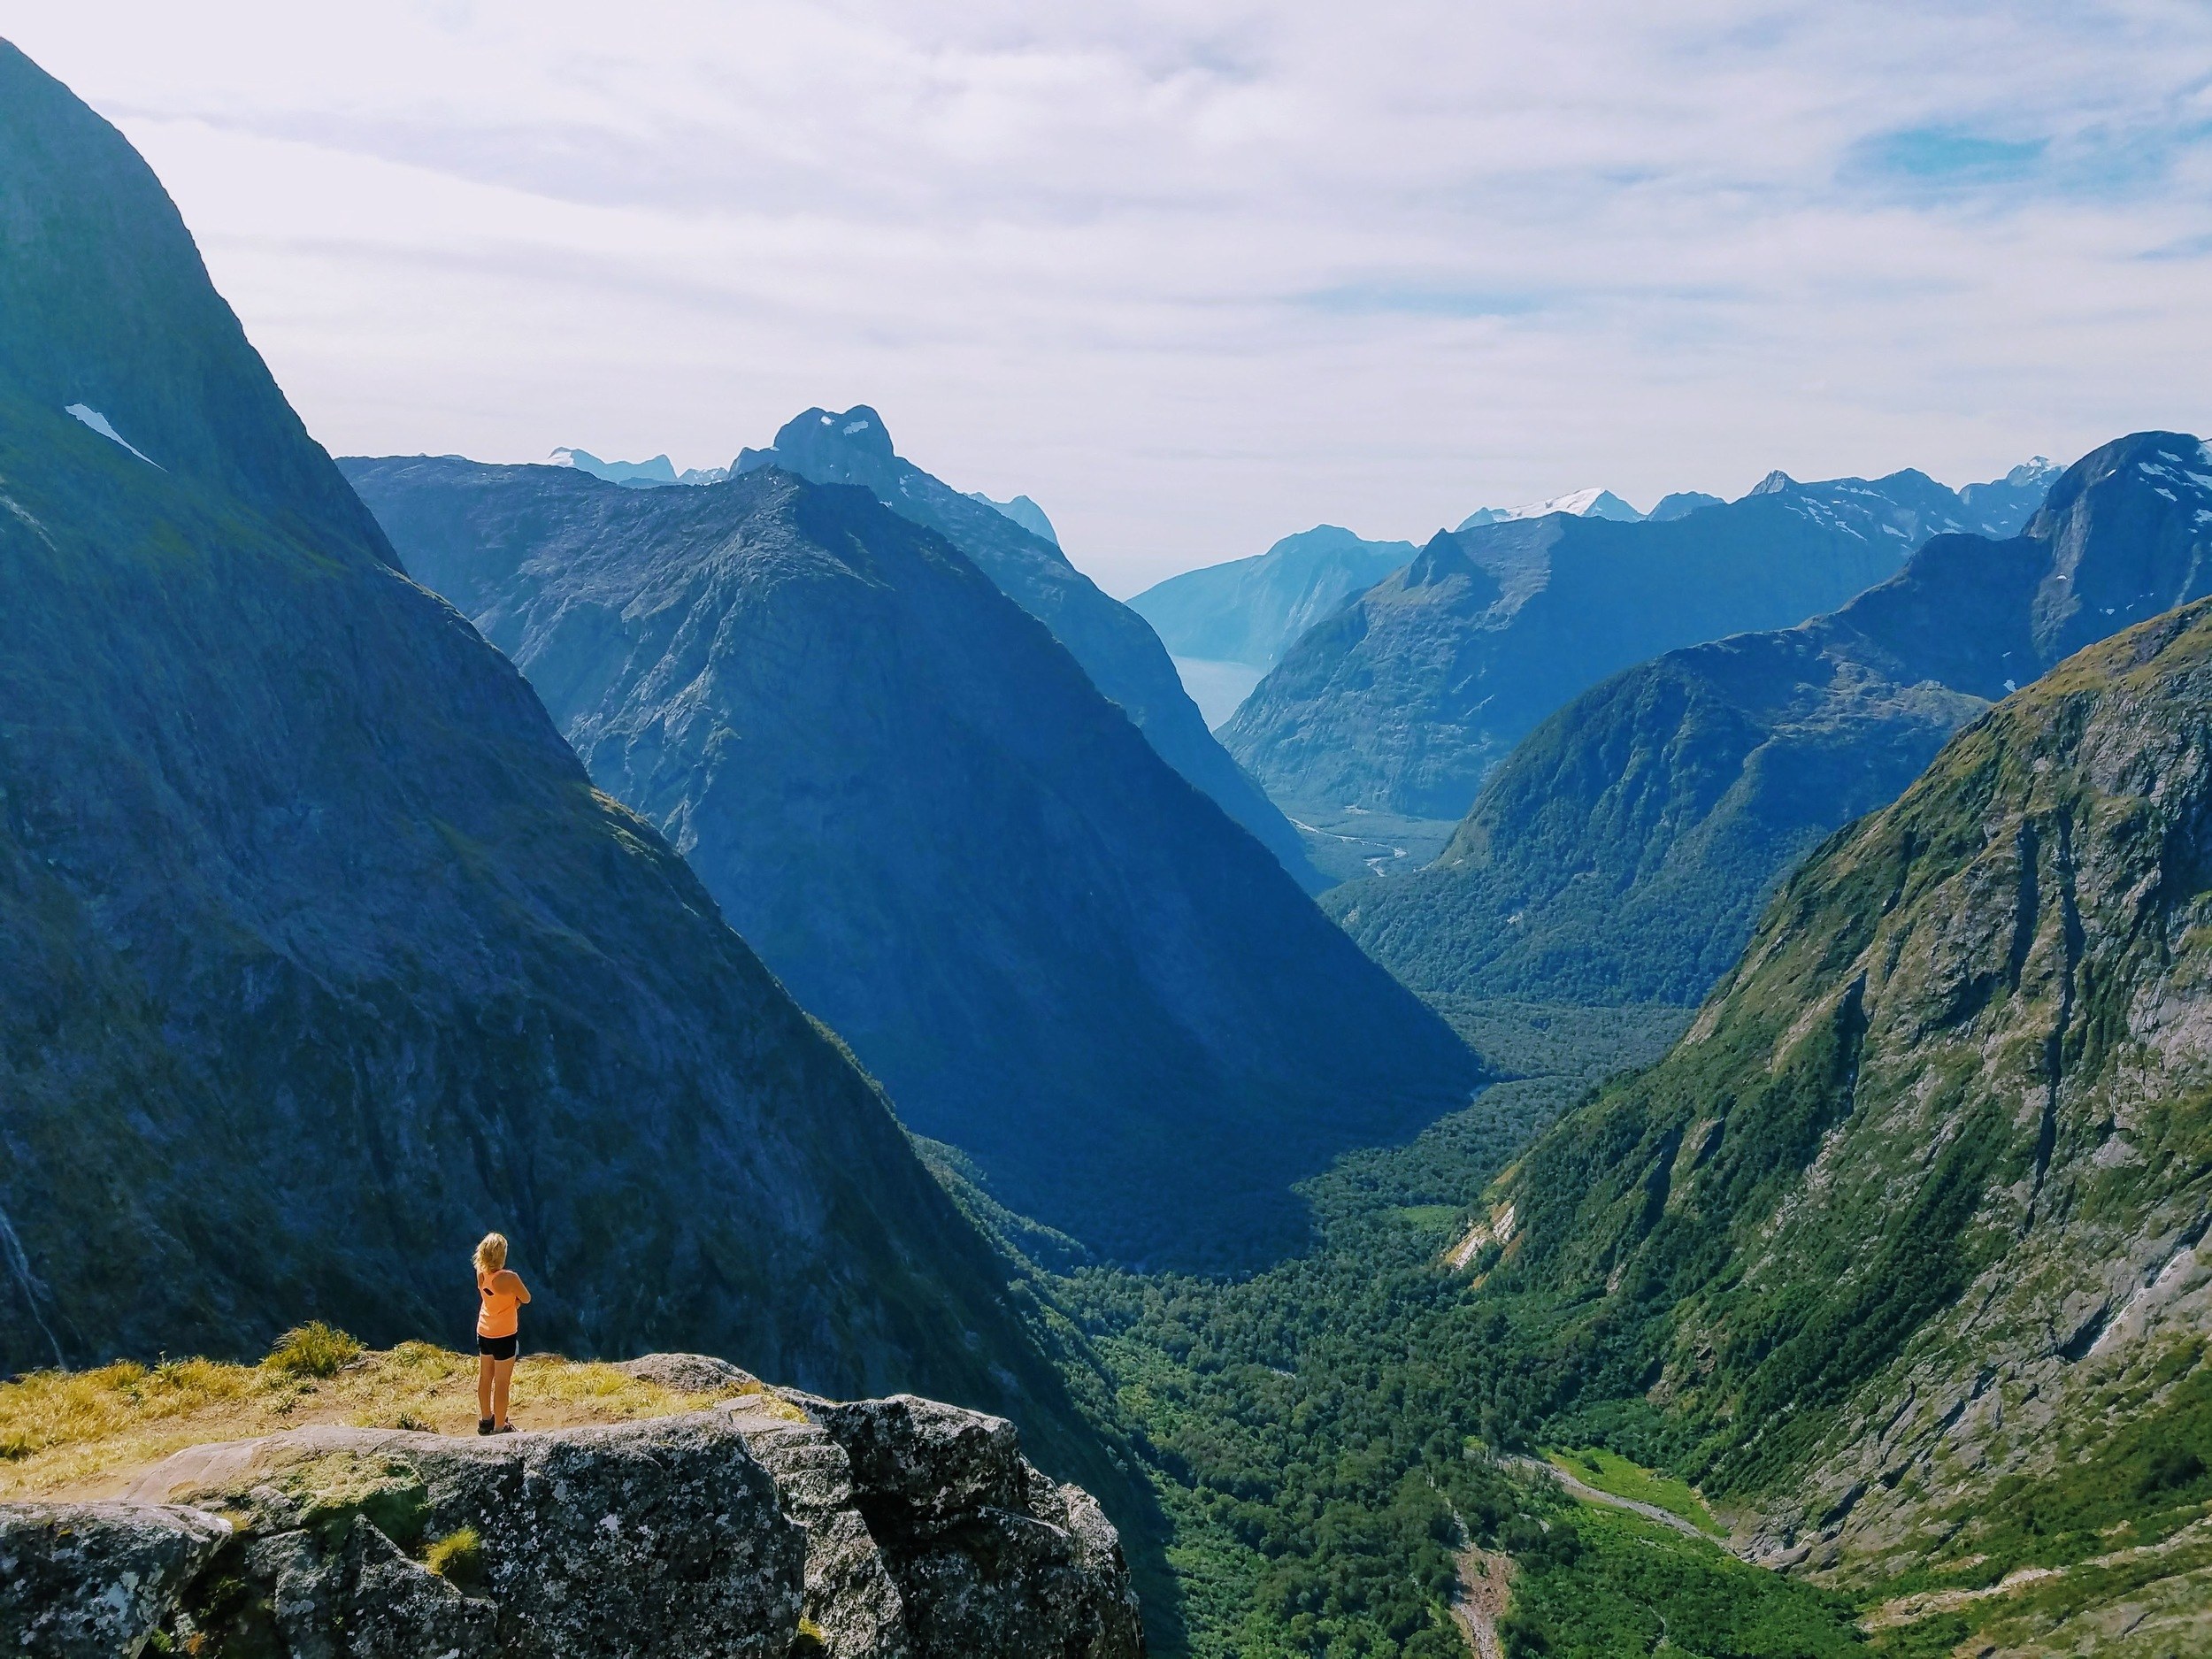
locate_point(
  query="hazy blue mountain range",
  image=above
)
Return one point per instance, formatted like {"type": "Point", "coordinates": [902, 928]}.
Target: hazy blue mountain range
{"type": "Point", "coordinates": [1681, 504]}
{"type": "Point", "coordinates": [318, 954]}
{"type": "Point", "coordinates": [1624, 851]}
{"type": "Point", "coordinates": [1899, 1251]}
{"type": "Point", "coordinates": [1250, 610]}
{"type": "Point", "coordinates": [1024, 512]}
{"type": "Point", "coordinates": [653, 475]}
{"type": "Point", "coordinates": [1116, 647]}
{"type": "Point", "coordinates": [1404, 700]}
{"type": "Point", "coordinates": [908, 797]}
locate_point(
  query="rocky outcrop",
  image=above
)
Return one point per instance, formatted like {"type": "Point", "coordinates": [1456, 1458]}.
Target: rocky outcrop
{"type": "Point", "coordinates": [773, 1525]}
{"type": "Point", "coordinates": [78, 1581]}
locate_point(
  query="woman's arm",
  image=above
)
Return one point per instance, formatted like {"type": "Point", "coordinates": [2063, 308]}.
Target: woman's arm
{"type": "Point", "coordinates": [510, 1283]}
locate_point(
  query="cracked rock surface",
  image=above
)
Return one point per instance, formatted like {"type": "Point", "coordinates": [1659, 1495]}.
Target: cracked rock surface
{"type": "Point", "coordinates": [773, 1525]}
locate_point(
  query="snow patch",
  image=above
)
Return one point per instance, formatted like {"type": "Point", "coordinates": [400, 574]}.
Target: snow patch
{"type": "Point", "coordinates": [1581, 503]}
{"type": "Point", "coordinates": [98, 422]}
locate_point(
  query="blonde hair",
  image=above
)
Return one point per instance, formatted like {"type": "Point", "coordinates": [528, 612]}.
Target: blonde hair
{"type": "Point", "coordinates": [491, 1255]}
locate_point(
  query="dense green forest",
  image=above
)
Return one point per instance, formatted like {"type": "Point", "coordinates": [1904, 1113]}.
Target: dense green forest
{"type": "Point", "coordinates": [1346, 1446]}
{"type": "Point", "coordinates": [1332, 1438]}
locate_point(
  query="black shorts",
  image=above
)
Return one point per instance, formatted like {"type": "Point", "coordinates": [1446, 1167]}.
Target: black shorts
{"type": "Point", "coordinates": [497, 1347]}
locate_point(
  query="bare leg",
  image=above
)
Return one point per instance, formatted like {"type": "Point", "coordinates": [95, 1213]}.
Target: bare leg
{"type": "Point", "coordinates": [503, 1374]}
{"type": "Point", "coordinates": [484, 1364]}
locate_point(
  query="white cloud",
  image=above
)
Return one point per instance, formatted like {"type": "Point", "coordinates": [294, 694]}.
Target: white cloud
{"type": "Point", "coordinates": [1194, 276]}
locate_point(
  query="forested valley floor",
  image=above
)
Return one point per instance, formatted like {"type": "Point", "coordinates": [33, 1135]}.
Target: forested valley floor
{"type": "Point", "coordinates": [1335, 1444]}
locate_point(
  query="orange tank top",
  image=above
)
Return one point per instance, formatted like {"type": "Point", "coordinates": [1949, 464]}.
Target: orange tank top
{"type": "Point", "coordinates": [498, 1316]}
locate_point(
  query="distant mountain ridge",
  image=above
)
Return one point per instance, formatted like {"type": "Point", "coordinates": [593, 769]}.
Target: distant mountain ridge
{"type": "Point", "coordinates": [319, 956]}
{"type": "Point", "coordinates": [1624, 851]}
{"type": "Point", "coordinates": [1116, 647]}
{"type": "Point", "coordinates": [653, 475]}
{"type": "Point", "coordinates": [1581, 503]}
{"type": "Point", "coordinates": [906, 794]}
{"type": "Point", "coordinates": [1250, 611]}
{"type": "Point", "coordinates": [1404, 700]}
{"type": "Point", "coordinates": [1024, 512]}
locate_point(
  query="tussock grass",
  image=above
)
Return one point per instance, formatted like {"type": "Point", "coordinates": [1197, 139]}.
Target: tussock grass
{"type": "Point", "coordinates": [313, 1349]}
{"type": "Point", "coordinates": [85, 1434]}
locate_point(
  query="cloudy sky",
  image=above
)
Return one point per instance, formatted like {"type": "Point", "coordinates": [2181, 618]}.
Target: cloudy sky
{"type": "Point", "coordinates": [1196, 276]}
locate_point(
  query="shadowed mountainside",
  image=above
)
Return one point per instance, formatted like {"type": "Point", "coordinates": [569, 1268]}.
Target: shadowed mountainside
{"type": "Point", "coordinates": [318, 954]}
{"type": "Point", "coordinates": [1056, 954]}
{"type": "Point", "coordinates": [1115, 645]}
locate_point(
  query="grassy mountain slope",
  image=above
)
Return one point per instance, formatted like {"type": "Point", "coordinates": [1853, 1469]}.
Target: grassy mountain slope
{"type": "Point", "coordinates": [1896, 1250]}
{"type": "Point", "coordinates": [1405, 699]}
{"type": "Point", "coordinates": [318, 954]}
{"type": "Point", "coordinates": [1115, 645]}
{"type": "Point", "coordinates": [1056, 954]}
{"type": "Point", "coordinates": [1253, 609]}
{"type": "Point", "coordinates": [1625, 850]}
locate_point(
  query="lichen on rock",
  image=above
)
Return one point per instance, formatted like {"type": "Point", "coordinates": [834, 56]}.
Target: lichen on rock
{"type": "Point", "coordinates": [767, 1526]}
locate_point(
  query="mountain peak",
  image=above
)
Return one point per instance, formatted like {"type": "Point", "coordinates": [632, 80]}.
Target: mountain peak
{"type": "Point", "coordinates": [1581, 503]}
{"type": "Point", "coordinates": [1442, 559]}
{"type": "Point", "coordinates": [1681, 504]}
{"type": "Point", "coordinates": [831, 448]}
{"type": "Point", "coordinates": [1023, 511]}
{"type": "Point", "coordinates": [1773, 484]}
{"type": "Point", "coordinates": [659, 470]}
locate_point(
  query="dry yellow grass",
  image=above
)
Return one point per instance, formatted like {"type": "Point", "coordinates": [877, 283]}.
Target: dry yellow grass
{"type": "Point", "coordinates": [84, 1435]}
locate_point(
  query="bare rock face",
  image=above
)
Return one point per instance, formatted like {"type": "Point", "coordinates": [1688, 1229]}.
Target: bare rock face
{"type": "Point", "coordinates": [84, 1580]}
{"type": "Point", "coordinates": [990, 1557]}
{"type": "Point", "coordinates": [686, 1373]}
{"type": "Point", "coordinates": [775, 1525]}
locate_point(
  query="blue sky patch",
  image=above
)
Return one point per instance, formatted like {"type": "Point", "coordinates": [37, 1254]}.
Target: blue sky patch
{"type": "Point", "coordinates": [1947, 154]}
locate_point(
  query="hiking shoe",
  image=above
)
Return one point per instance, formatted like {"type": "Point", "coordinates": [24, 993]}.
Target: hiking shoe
{"type": "Point", "coordinates": [483, 1425]}
{"type": "Point", "coordinates": [504, 1428]}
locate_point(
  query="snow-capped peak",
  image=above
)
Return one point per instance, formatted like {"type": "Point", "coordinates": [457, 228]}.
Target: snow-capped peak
{"type": "Point", "coordinates": [1581, 503]}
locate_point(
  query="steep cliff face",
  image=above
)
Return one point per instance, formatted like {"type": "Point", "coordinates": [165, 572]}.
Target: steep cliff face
{"type": "Point", "coordinates": [1625, 850]}
{"type": "Point", "coordinates": [1404, 700]}
{"type": "Point", "coordinates": [318, 954]}
{"type": "Point", "coordinates": [777, 1525]}
{"type": "Point", "coordinates": [1901, 1239]}
{"type": "Point", "coordinates": [1115, 645]}
{"type": "Point", "coordinates": [1055, 952]}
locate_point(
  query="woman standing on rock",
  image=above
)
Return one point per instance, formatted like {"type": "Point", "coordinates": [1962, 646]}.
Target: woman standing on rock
{"type": "Point", "coordinates": [498, 1322]}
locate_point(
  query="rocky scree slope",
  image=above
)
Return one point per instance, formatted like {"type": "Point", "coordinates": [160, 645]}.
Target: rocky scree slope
{"type": "Point", "coordinates": [1403, 701]}
{"type": "Point", "coordinates": [1251, 611]}
{"type": "Point", "coordinates": [775, 1525]}
{"type": "Point", "coordinates": [1055, 953]}
{"type": "Point", "coordinates": [318, 954]}
{"type": "Point", "coordinates": [1625, 849]}
{"type": "Point", "coordinates": [1899, 1247]}
{"type": "Point", "coordinates": [1115, 645]}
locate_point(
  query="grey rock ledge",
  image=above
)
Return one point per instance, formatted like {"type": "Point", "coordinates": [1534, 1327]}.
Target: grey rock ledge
{"type": "Point", "coordinates": [772, 1525]}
